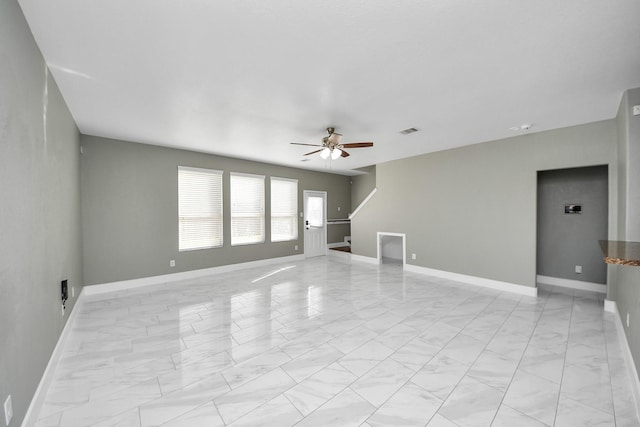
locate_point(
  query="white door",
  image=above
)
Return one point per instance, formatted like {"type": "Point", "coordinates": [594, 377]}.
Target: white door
{"type": "Point", "coordinates": [315, 223]}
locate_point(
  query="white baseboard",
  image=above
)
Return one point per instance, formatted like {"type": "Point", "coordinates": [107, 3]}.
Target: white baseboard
{"type": "Point", "coordinates": [33, 411]}
{"type": "Point", "coordinates": [573, 284]}
{"type": "Point", "coordinates": [362, 258]}
{"type": "Point", "coordinates": [612, 307]}
{"type": "Point", "coordinates": [192, 274]}
{"type": "Point", "coordinates": [337, 244]}
{"type": "Point", "coordinates": [473, 280]}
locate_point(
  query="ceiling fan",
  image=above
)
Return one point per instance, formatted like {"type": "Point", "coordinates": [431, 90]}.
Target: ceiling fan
{"type": "Point", "coordinates": [331, 145]}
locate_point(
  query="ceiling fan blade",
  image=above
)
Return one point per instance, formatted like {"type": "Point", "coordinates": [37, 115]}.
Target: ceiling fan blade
{"type": "Point", "coordinates": [344, 154]}
{"type": "Point", "coordinates": [313, 152]}
{"type": "Point", "coordinates": [358, 144]}
{"type": "Point", "coordinates": [299, 143]}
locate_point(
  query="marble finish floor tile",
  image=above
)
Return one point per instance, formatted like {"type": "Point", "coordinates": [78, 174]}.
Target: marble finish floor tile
{"type": "Point", "coordinates": [382, 381]}
{"type": "Point", "coordinates": [533, 396]}
{"type": "Point", "coordinates": [572, 413]}
{"type": "Point", "coordinates": [365, 357]}
{"type": "Point", "coordinates": [346, 409]}
{"type": "Point", "coordinates": [472, 403]}
{"type": "Point", "coordinates": [508, 417]}
{"type": "Point", "coordinates": [493, 369]}
{"type": "Point", "coordinates": [322, 342]}
{"type": "Point", "coordinates": [440, 376]}
{"type": "Point", "coordinates": [314, 391]}
{"type": "Point", "coordinates": [203, 416]}
{"type": "Point", "coordinates": [311, 362]}
{"type": "Point", "coordinates": [410, 406]}
{"type": "Point", "coordinates": [179, 402]}
{"type": "Point", "coordinates": [277, 412]}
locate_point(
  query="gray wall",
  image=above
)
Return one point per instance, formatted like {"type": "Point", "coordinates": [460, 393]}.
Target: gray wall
{"type": "Point", "coordinates": [567, 240]}
{"type": "Point", "coordinates": [362, 185]}
{"type": "Point", "coordinates": [622, 120]}
{"type": "Point", "coordinates": [632, 155]}
{"type": "Point", "coordinates": [40, 242]}
{"type": "Point", "coordinates": [472, 210]}
{"type": "Point", "coordinates": [624, 281]}
{"type": "Point", "coordinates": [130, 205]}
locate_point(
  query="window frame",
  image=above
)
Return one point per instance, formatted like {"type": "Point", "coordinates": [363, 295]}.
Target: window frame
{"type": "Point", "coordinates": [216, 218]}
{"type": "Point", "coordinates": [293, 214]}
{"type": "Point", "coordinates": [261, 215]}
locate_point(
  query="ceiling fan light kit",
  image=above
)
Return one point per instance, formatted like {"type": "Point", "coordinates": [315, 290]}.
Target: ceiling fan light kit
{"type": "Point", "coordinates": [331, 146]}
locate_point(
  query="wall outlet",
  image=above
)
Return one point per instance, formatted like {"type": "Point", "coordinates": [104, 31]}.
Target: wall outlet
{"type": "Point", "coordinates": [413, 256]}
{"type": "Point", "coordinates": [295, 247]}
{"type": "Point", "coordinates": [73, 292]}
{"type": "Point", "coordinates": [338, 208]}
{"type": "Point", "coordinates": [636, 110]}
{"type": "Point", "coordinates": [578, 269]}
{"type": "Point", "coordinates": [627, 319]}
{"type": "Point", "coordinates": [8, 410]}
{"type": "Point", "coordinates": [172, 263]}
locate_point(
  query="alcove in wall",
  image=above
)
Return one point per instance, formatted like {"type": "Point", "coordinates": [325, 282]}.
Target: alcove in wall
{"type": "Point", "coordinates": [572, 216]}
{"type": "Point", "coordinates": [391, 248]}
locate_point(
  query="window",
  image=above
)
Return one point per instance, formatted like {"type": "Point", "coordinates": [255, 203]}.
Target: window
{"type": "Point", "coordinates": [284, 209]}
{"type": "Point", "coordinates": [315, 211]}
{"type": "Point", "coordinates": [199, 208]}
{"type": "Point", "coordinates": [247, 209]}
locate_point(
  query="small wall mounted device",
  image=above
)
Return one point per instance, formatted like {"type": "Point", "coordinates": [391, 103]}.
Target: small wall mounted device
{"type": "Point", "coordinates": [64, 294]}
{"type": "Point", "coordinates": [572, 209]}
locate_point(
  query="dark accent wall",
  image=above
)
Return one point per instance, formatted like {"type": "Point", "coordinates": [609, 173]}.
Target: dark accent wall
{"type": "Point", "coordinates": [568, 240]}
{"type": "Point", "coordinates": [40, 240]}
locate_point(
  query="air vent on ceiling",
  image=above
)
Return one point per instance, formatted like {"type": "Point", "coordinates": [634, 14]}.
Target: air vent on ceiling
{"type": "Point", "coordinates": [408, 131]}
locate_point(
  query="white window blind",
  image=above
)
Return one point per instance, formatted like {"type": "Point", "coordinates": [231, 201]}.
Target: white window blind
{"type": "Point", "coordinates": [284, 209]}
{"type": "Point", "coordinates": [247, 209]}
{"type": "Point", "coordinates": [199, 208]}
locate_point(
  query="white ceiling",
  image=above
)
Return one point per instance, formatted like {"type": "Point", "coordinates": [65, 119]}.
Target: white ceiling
{"type": "Point", "coordinates": [244, 78]}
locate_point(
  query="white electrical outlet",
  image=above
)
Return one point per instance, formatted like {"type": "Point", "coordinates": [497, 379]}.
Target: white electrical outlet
{"type": "Point", "coordinates": [578, 269]}
{"type": "Point", "coordinates": [338, 208]}
{"type": "Point", "coordinates": [8, 410]}
{"type": "Point", "coordinates": [636, 110]}
{"type": "Point", "coordinates": [413, 256]}
{"type": "Point", "coordinates": [172, 263]}
{"type": "Point", "coordinates": [627, 320]}
{"type": "Point", "coordinates": [73, 292]}
{"type": "Point", "coordinates": [295, 247]}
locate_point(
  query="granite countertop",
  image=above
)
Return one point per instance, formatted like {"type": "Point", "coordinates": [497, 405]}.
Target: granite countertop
{"type": "Point", "coordinates": [621, 252]}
